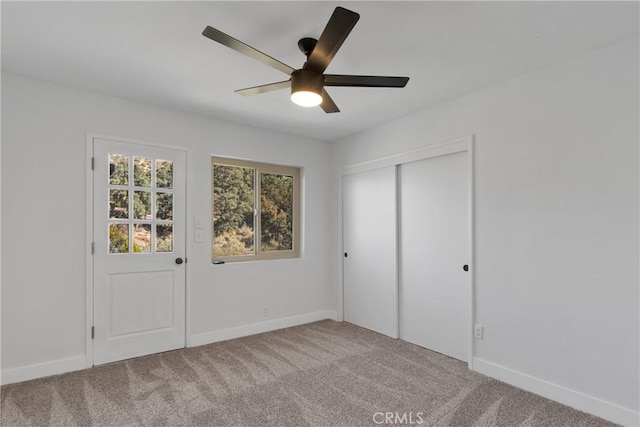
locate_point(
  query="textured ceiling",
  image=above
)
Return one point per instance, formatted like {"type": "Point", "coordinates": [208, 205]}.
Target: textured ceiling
{"type": "Point", "coordinates": [154, 52]}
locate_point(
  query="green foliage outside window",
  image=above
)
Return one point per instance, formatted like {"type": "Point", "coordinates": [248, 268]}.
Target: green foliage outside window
{"type": "Point", "coordinates": [142, 202]}
{"type": "Point", "coordinates": [234, 203]}
{"type": "Point", "coordinates": [276, 212]}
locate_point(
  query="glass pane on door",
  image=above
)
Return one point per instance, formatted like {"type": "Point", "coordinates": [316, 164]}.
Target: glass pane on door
{"type": "Point", "coordinates": [141, 238]}
{"type": "Point", "coordinates": [118, 238]}
{"type": "Point", "coordinates": [142, 204]}
{"type": "Point", "coordinates": [164, 174]}
{"type": "Point", "coordinates": [164, 238]}
{"type": "Point", "coordinates": [141, 172]}
{"type": "Point", "coordinates": [118, 169]}
{"type": "Point", "coordinates": [118, 204]}
{"type": "Point", "coordinates": [147, 217]}
{"type": "Point", "coordinates": [164, 206]}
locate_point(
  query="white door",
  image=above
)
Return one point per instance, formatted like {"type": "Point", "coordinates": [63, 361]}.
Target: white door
{"type": "Point", "coordinates": [434, 247]}
{"type": "Point", "coordinates": [369, 241]}
{"type": "Point", "coordinates": [139, 250]}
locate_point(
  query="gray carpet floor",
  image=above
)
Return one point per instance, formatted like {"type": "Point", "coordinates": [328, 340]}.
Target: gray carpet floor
{"type": "Point", "coordinates": [321, 374]}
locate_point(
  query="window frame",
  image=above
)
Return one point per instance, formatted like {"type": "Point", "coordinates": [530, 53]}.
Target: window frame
{"type": "Point", "coordinates": [259, 168]}
{"type": "Point", "coordinates": [131, 187]}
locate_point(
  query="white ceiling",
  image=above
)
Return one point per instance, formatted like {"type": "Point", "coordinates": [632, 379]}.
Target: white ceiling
{"type": "Point", "coordinates": [154, 52]}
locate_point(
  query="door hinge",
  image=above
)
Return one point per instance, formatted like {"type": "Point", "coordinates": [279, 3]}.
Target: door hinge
{"type": "Point", "coordinates": [93, 332]}
{"type": "Point", "coordinates": [93, 248]}
{"type": "Point", "coordinates": [93, 163]}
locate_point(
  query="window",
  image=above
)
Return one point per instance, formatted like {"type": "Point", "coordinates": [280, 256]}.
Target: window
{"type": "Point", "coordinates": [140, 204]}
{"type": "Point", "coordinates": [256, 210]}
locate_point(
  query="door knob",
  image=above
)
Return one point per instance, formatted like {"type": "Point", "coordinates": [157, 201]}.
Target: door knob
{"type": "Point", "coordinates": [465, 267]}
{"type": "Point", "coordinates": [179, 261]}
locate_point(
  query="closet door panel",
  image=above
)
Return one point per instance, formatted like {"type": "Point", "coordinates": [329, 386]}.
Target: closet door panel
{"type": "Point", "coordinates": [434, 247]}
{"type": "Point", "coordinates": [370, 246]}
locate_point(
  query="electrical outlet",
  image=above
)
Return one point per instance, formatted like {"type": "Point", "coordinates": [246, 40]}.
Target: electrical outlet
{"type": "Point", "coordinates": [478, 332]}
{"type": "Point", "coordinates": [197, 221]}
{"type": "Point", "coordinates": [265, 311]}
{"type": "Point", "coordinates": [198, 238]}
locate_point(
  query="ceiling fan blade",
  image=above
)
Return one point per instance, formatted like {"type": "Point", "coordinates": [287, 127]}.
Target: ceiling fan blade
{"type": "Point", "coordinates": [270, 87]}
{"type": "Point", "coordinates": [335, 33]}
{"type": "Point", "coordinates": [364, 81]}
{"type": "Point", "coordinates": [245, 49]}
{"type": "Point", "coordinates": [327, 103]}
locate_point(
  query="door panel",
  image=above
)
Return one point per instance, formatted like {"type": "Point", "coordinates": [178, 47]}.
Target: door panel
{"type": "Point", "coordinates": [139, 231]}
{"type": "Point", "coordinates": [434, 246]}
{"type": "Point", "coordinates": [369, 233]}
{"type": "Point", "coordinates": [141, 302]}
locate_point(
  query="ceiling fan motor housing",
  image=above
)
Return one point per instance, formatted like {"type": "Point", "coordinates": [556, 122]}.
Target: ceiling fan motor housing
{"type": "Point", "coordinates": [307, 80]}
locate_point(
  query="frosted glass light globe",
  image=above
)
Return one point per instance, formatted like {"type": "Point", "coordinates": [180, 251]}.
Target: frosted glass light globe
{"type": "Point", "coordinates": [305, 98]}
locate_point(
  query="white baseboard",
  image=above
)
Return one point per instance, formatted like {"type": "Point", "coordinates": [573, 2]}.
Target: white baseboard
{"type": "Point", "coordinates": [38, 370]}
{"type": "Point", "coordinates": [575, 399]}
{"type": "Point", "coordinates": [258, 328]}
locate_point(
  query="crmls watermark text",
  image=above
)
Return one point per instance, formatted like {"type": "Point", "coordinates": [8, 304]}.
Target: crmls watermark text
{"type": "Point", "coordinates": [398, 418]}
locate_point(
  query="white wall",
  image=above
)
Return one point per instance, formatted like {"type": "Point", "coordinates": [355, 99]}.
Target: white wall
{"type": "Point", "coordinates": [43, 215]}
{"type": "Point", "coordinates": [556, 175]}
{"type": "Point", "coordinates": [556, 217]}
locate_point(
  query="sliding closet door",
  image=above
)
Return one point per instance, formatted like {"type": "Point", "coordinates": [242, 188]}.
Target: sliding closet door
{"type": "Point", "coordinates": [370, 244]}
{"type": "Point", "coordinates": [434, 247]}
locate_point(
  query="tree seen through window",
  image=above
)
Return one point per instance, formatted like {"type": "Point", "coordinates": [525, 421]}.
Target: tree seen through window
{"type": "Point", "coordinates": [254, 210]}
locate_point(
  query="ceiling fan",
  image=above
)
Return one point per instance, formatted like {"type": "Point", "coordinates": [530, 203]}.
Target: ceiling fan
{"type": "Point", "coordinates": [308, 83]}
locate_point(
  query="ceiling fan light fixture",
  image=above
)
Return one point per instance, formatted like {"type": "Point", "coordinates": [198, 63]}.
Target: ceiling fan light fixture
{"type": "Point", "coordinates": [306, 88]}
{"type": "Point", "coordinates": [305, 98]}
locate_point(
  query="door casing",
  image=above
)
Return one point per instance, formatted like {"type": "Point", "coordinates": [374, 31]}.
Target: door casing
{"type": "Point", "coordinates": [89, 229]}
